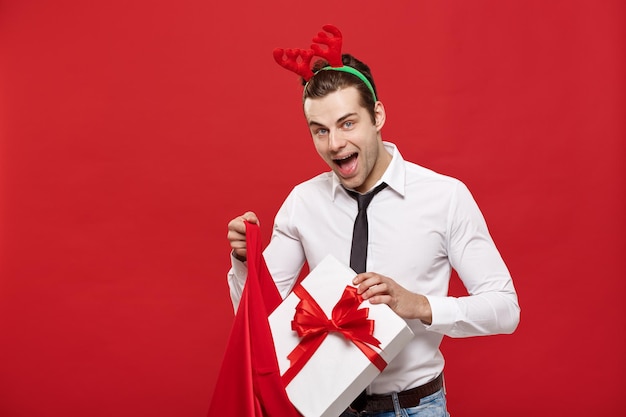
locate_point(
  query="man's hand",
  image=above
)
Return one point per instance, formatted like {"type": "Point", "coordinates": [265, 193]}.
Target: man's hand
{"type": "Point", "coordinates": [237, 234]}
{"type": "Point", "coordinates": [379, 289]}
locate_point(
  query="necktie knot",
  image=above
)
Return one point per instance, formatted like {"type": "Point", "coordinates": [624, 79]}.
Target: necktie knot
{"type": "Point", "coordinates": [364, 200]}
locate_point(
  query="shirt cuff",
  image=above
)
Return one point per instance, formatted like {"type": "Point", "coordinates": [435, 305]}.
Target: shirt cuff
{"type": "Point", "coordinates": [445, 313]}
{"type": "Point", "coordinates": [239, 269]}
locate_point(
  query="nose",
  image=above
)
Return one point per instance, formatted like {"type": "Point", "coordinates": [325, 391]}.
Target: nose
{"type": "Point", "coordinates": [336, 140]}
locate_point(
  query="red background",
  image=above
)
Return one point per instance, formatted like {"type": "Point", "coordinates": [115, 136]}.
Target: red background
{"type": "Point", "coordinates": [132, 131]}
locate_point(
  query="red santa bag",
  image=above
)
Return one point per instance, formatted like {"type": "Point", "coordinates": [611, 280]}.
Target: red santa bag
{"type": "Point", "coordinates": [249, 382]}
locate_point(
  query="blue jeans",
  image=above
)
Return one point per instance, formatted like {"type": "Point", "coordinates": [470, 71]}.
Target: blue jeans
{"type": "Point", "coordinates": [432, 406]}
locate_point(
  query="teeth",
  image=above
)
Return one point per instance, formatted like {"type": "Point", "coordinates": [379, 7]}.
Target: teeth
{"type": "Point", "coordinates": [343, 159]}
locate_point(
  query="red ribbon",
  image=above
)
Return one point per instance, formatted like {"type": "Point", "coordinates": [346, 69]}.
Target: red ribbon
{"type": "Point", "coordinates": [312, 325]}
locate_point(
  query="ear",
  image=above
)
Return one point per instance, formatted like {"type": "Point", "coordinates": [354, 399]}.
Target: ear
{"type": "Point", "coordinates": [380, 115]}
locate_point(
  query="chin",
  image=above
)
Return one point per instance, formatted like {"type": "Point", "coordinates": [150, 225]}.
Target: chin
{"type": "Point", "coordinates": [353, 183]}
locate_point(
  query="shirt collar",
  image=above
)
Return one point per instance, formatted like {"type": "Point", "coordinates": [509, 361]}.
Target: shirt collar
{"type": "Point", "coordinates": [394, 176]}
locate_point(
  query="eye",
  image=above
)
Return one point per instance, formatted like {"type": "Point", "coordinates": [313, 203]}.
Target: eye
{"type": "Point", "coordinates": [348, 124]}
{"type": "Point", "coordinates": [321, 132]}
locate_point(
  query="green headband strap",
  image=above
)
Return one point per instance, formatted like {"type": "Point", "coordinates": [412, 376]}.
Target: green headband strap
{"type": "Point", "coordinates": [355, 72]}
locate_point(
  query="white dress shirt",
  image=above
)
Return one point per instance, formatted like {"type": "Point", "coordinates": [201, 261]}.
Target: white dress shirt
{"type": "Point", "coordinates": [420, 227]}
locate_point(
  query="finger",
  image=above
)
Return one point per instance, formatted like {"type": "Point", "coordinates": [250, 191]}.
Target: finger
{"type": "Point", "coordinates": [250, 217]}
{"type": "Point", "coordinates": [365, 287]}
{"type": "Point", "coordinates": [380, 299]}
{"type": "Point", "coordinates": [240, 249]}
{"type": "Point", "coordinates": [237, 225]}
{"type": "Point", "coordinates": [234, 236]}
{"type": "Point", "coordinates": [362, 277]}
{"type": "Point", "coordinates": [374, 290]}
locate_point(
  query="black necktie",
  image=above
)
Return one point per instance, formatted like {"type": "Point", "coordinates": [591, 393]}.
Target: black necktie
{"type": "Point", "coordinates": [358, 254]}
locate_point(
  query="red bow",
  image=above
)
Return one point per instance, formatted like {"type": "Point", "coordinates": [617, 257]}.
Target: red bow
{"type": "Point", "coordinates": [312, 325]}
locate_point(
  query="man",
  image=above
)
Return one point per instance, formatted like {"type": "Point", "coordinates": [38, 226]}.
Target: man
{"type": "Point", "coordinates": [421, 225]}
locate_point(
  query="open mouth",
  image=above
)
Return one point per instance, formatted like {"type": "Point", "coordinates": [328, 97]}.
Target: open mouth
{"type": "Point", "coordinates": [347, 164]}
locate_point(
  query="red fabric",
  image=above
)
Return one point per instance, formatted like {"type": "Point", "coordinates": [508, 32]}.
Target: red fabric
{"type": "Point", "coordinates": [249, 382]}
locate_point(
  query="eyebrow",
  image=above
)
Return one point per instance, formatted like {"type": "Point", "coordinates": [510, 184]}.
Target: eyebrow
{"type": "Point", "coordinates": [339, 121]}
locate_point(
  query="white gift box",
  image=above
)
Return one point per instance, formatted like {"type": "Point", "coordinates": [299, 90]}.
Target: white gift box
{"type": "Point", "coordinates": [338, 371]}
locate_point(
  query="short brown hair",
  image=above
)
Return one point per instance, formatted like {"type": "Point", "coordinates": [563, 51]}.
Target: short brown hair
{"type": "Point", "coordinates": [326, 82]}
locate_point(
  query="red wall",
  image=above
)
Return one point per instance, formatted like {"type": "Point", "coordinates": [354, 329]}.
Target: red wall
{"type": "Point", "coordinates": [132, 131]}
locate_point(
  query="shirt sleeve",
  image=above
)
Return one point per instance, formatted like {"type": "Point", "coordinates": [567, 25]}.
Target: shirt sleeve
{"type": "Point", "coordinates": [236, 279]}
{"type": "Point", "coordinates": [284, 255]}
{"type": "Point", "coordinates": [492, 305]}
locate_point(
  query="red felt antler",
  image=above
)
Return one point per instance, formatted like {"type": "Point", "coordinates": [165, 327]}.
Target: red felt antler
{"type": "Point", "coordinates": [333, 53]}
{"type": "Point", "coordinates": [296, 60]}
{"type": "Point", "coordinates": [299, 60]}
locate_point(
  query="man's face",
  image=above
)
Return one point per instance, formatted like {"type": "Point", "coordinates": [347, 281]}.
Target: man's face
{"type": "Point", "coordinates": [346, 138]}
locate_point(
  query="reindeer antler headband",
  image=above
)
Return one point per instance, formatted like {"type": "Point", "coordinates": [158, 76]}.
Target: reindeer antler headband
{"type": "Point", "coordinates": [299, 60]}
